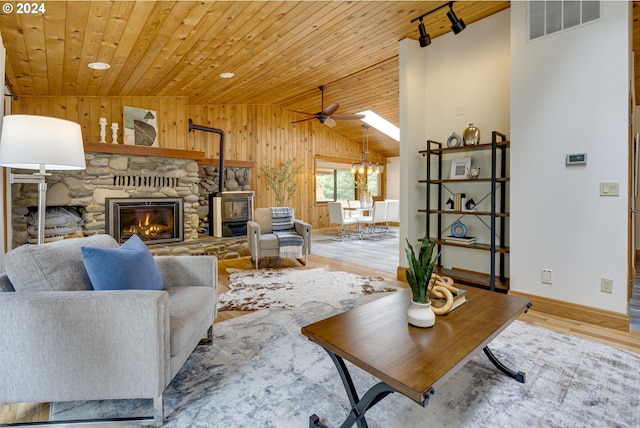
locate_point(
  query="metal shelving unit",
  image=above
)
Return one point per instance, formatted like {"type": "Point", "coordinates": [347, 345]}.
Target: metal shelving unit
{"type": "Point", "coordinates": [498, 247]}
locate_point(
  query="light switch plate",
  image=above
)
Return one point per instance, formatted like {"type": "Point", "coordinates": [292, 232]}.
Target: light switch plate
{"type": "Point", "coordinates": [609, 188]}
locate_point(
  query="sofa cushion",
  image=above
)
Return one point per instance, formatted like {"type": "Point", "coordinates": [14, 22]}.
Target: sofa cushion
{"type": "Point", "coordinates": [56, 266]}
{"type": "Point", "coordinates": [262, 216]}
{"type": "Point", "coordinates": [130, 267]}
{"type": "Point", "coordinates": [269, 242]}
{"type": "Point", "coordinates": [188, 304]}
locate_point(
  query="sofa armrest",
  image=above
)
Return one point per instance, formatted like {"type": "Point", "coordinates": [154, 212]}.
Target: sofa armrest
{"type": "Point", "coordinates": [253, 237]}
{"type": "Point", "coordinates": [304, 229]}
{"type": "Point", "coordinates": [190, 270]}
{"type": "Point", "coordinates": [83, 345]}
{"type": "Point", "coordinates": [253, 228]}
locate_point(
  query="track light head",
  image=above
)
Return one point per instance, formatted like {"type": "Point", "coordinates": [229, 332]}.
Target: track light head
{"type": "Point", "coordinates": [457, 25]}
{"type": "Point", "coordinates": [424, 39]}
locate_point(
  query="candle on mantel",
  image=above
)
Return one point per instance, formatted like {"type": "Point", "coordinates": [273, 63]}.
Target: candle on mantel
{"type": "Point", "coordinates": [103, 129]}
{"type": "Point", "coordinates": [114, 135]}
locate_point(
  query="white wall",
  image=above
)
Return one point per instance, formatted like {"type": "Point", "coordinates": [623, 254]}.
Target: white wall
{"type": "Point", "coordinates": [412, 137]}
{"type": "Point", "coordinates": [392, 172]}
{"type": "Point", "coordinates": [456, 80]}
{"type": "Point", "coordinates": [569, 93]}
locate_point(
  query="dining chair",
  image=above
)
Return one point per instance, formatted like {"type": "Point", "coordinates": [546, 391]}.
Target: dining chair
{"type": "Point", "coordinates": [337, 216]}
{"type": "Point", "coordinates": [393, 212]}
{"type": "Point", "coordinates": [371, 222]}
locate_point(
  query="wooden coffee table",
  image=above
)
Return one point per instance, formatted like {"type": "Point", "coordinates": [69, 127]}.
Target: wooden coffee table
{"type": "Point", "coordinates": [412, 361]}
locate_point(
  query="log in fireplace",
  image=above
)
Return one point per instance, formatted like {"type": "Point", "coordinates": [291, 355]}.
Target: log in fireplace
{"type": "Point", "coordinates": [156, 220]}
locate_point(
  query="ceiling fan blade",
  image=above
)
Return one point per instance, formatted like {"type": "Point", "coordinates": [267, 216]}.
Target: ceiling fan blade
{"type": "Point", "coordinates": [303, 120]}
{"type": "Point", "coordinates": [330, 122]}
{"type": "Point", "coordinates": [347, 116]}
{"type": "Point", "coordinates": [302, 112]}
{"type": "Point", "coordinates": [331, 108]}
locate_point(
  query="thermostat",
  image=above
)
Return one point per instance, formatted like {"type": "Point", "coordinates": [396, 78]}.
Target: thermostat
{"type": "Point", "coordinates": [577, 159]}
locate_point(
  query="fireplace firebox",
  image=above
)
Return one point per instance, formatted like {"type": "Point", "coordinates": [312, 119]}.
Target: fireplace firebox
{"type": "Point", "coordinates": [155, 220]}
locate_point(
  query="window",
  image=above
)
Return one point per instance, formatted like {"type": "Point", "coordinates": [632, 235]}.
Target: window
{"type": "Point", "coordinates": [334, 181]}
{"type": "Point", "coordinates": [373, 184]}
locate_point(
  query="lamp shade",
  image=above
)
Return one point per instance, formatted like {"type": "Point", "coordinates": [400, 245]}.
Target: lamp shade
{"type": "Point", "coordinates": [29, 142]}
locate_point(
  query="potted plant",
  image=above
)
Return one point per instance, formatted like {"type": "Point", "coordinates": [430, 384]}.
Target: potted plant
{"type": "Point", "coordinates": [419, 277]}
{"type": "Point", "coordinates": [425, 283]}
{"type": "Point", "coordinates": [282, 181]}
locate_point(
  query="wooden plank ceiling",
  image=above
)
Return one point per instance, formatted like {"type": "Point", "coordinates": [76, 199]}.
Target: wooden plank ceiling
{"type": "Point", "coordinates": [280, 52]}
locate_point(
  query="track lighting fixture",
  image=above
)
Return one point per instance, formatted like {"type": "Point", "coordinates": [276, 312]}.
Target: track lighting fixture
{"type": "Point", "coordinates": [457, 25]}
{"type": "Point", "coordinates": [425, 39]}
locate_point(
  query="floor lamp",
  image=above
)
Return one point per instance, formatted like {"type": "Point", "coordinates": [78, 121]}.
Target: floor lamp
{"type": "Point", "coordinates": [40, 143]}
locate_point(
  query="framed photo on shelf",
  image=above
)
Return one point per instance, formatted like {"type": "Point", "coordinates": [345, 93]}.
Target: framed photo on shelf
{"type": "Point", "coordinates": [460, 168]}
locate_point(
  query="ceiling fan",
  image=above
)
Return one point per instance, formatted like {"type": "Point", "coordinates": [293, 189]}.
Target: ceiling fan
{"type": "Point", "coordinates": [326, 115]}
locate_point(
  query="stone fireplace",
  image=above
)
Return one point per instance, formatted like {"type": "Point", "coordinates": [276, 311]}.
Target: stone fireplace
{"type": "Point", "coordinates": [119, 176]}
{"type": "Point", "coordinates": [155, 220]}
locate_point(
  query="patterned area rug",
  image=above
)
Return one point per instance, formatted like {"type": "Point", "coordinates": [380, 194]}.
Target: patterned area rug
{"type": "Point", "coordinates": [260, 371]}
{"type": "Point", "coordinates": [251, 290]}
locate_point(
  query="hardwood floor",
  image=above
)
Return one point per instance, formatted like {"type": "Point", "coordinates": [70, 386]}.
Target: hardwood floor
{"type": "Point", "coordinates": [24, 412]}
{"type": "Point", "coordinates": [27, 412]}
{"type": "Point", "coordinates": [380, 253]}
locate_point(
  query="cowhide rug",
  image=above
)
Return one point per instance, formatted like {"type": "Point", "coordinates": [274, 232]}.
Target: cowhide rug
{"type": "Point", "coordinates": [252, 290]}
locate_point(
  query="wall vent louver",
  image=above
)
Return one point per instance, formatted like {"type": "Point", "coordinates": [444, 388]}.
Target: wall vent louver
{"type": "Point", "coordinates": [144, 181]}
{"type": "Point", "coordinates": [549, 17]}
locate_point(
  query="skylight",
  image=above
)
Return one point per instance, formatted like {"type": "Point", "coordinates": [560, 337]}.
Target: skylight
{"type": "Point", "coordinates": [381, 124]}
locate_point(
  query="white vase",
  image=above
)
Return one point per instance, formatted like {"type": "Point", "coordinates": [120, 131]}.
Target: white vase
{"type": "Point", "coordinates": [366, 200]}
{"type": "Point", "coordinates": [421, 314]}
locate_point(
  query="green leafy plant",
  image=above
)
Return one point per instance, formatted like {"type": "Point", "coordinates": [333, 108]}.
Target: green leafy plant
{"type": "Point", "coordinates": [420, 269]}
{"type": "Point", "coordinates": [282, 181]}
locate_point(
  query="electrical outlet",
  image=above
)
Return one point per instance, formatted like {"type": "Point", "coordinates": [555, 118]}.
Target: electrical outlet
{"type": "Point", "coordinates": [606, 285]}
{"type": "Point", "coordinates": [546, 276]}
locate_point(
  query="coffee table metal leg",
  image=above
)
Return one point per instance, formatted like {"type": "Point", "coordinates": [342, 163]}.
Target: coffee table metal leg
{"type": "Point", "coordinates": [519, 376]}
{"type": "Point", "coordinates": [358, 406]}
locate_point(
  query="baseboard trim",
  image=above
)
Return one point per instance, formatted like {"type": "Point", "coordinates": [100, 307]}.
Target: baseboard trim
{"type": "Point", "coordinates": [401, 273]}
{"type": "Point", "coordinates": [586, 314]}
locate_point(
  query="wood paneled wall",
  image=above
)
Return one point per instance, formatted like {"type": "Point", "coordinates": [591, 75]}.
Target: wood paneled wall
{"type": "Point", "coordinates": [263, 134]}
{"type": "Point", "coordinates": [87, 111]}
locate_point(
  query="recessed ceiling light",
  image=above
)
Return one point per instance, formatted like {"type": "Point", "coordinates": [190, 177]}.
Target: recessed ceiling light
{"type": "Point", "coordinates": [227, 75]}
{"type": "Point", "coordinates": [99, 66]}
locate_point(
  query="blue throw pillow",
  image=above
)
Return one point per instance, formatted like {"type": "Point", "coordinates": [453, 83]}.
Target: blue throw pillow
{"type": "Point", "coordinates": [130, 267]}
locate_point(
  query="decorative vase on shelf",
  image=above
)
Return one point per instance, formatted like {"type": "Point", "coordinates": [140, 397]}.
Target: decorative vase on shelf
{"type": "Point", "coordinates": [471, 135]}
{"type": "Point", "coordinates": [421, 314]}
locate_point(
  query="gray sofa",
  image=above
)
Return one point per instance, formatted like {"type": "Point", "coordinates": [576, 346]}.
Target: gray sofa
{"type": "Point", "coordinates": [74, 343]}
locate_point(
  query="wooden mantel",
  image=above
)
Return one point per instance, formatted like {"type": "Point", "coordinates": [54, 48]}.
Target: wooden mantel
{"type": "Point", "coordinates": [124, 149]}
